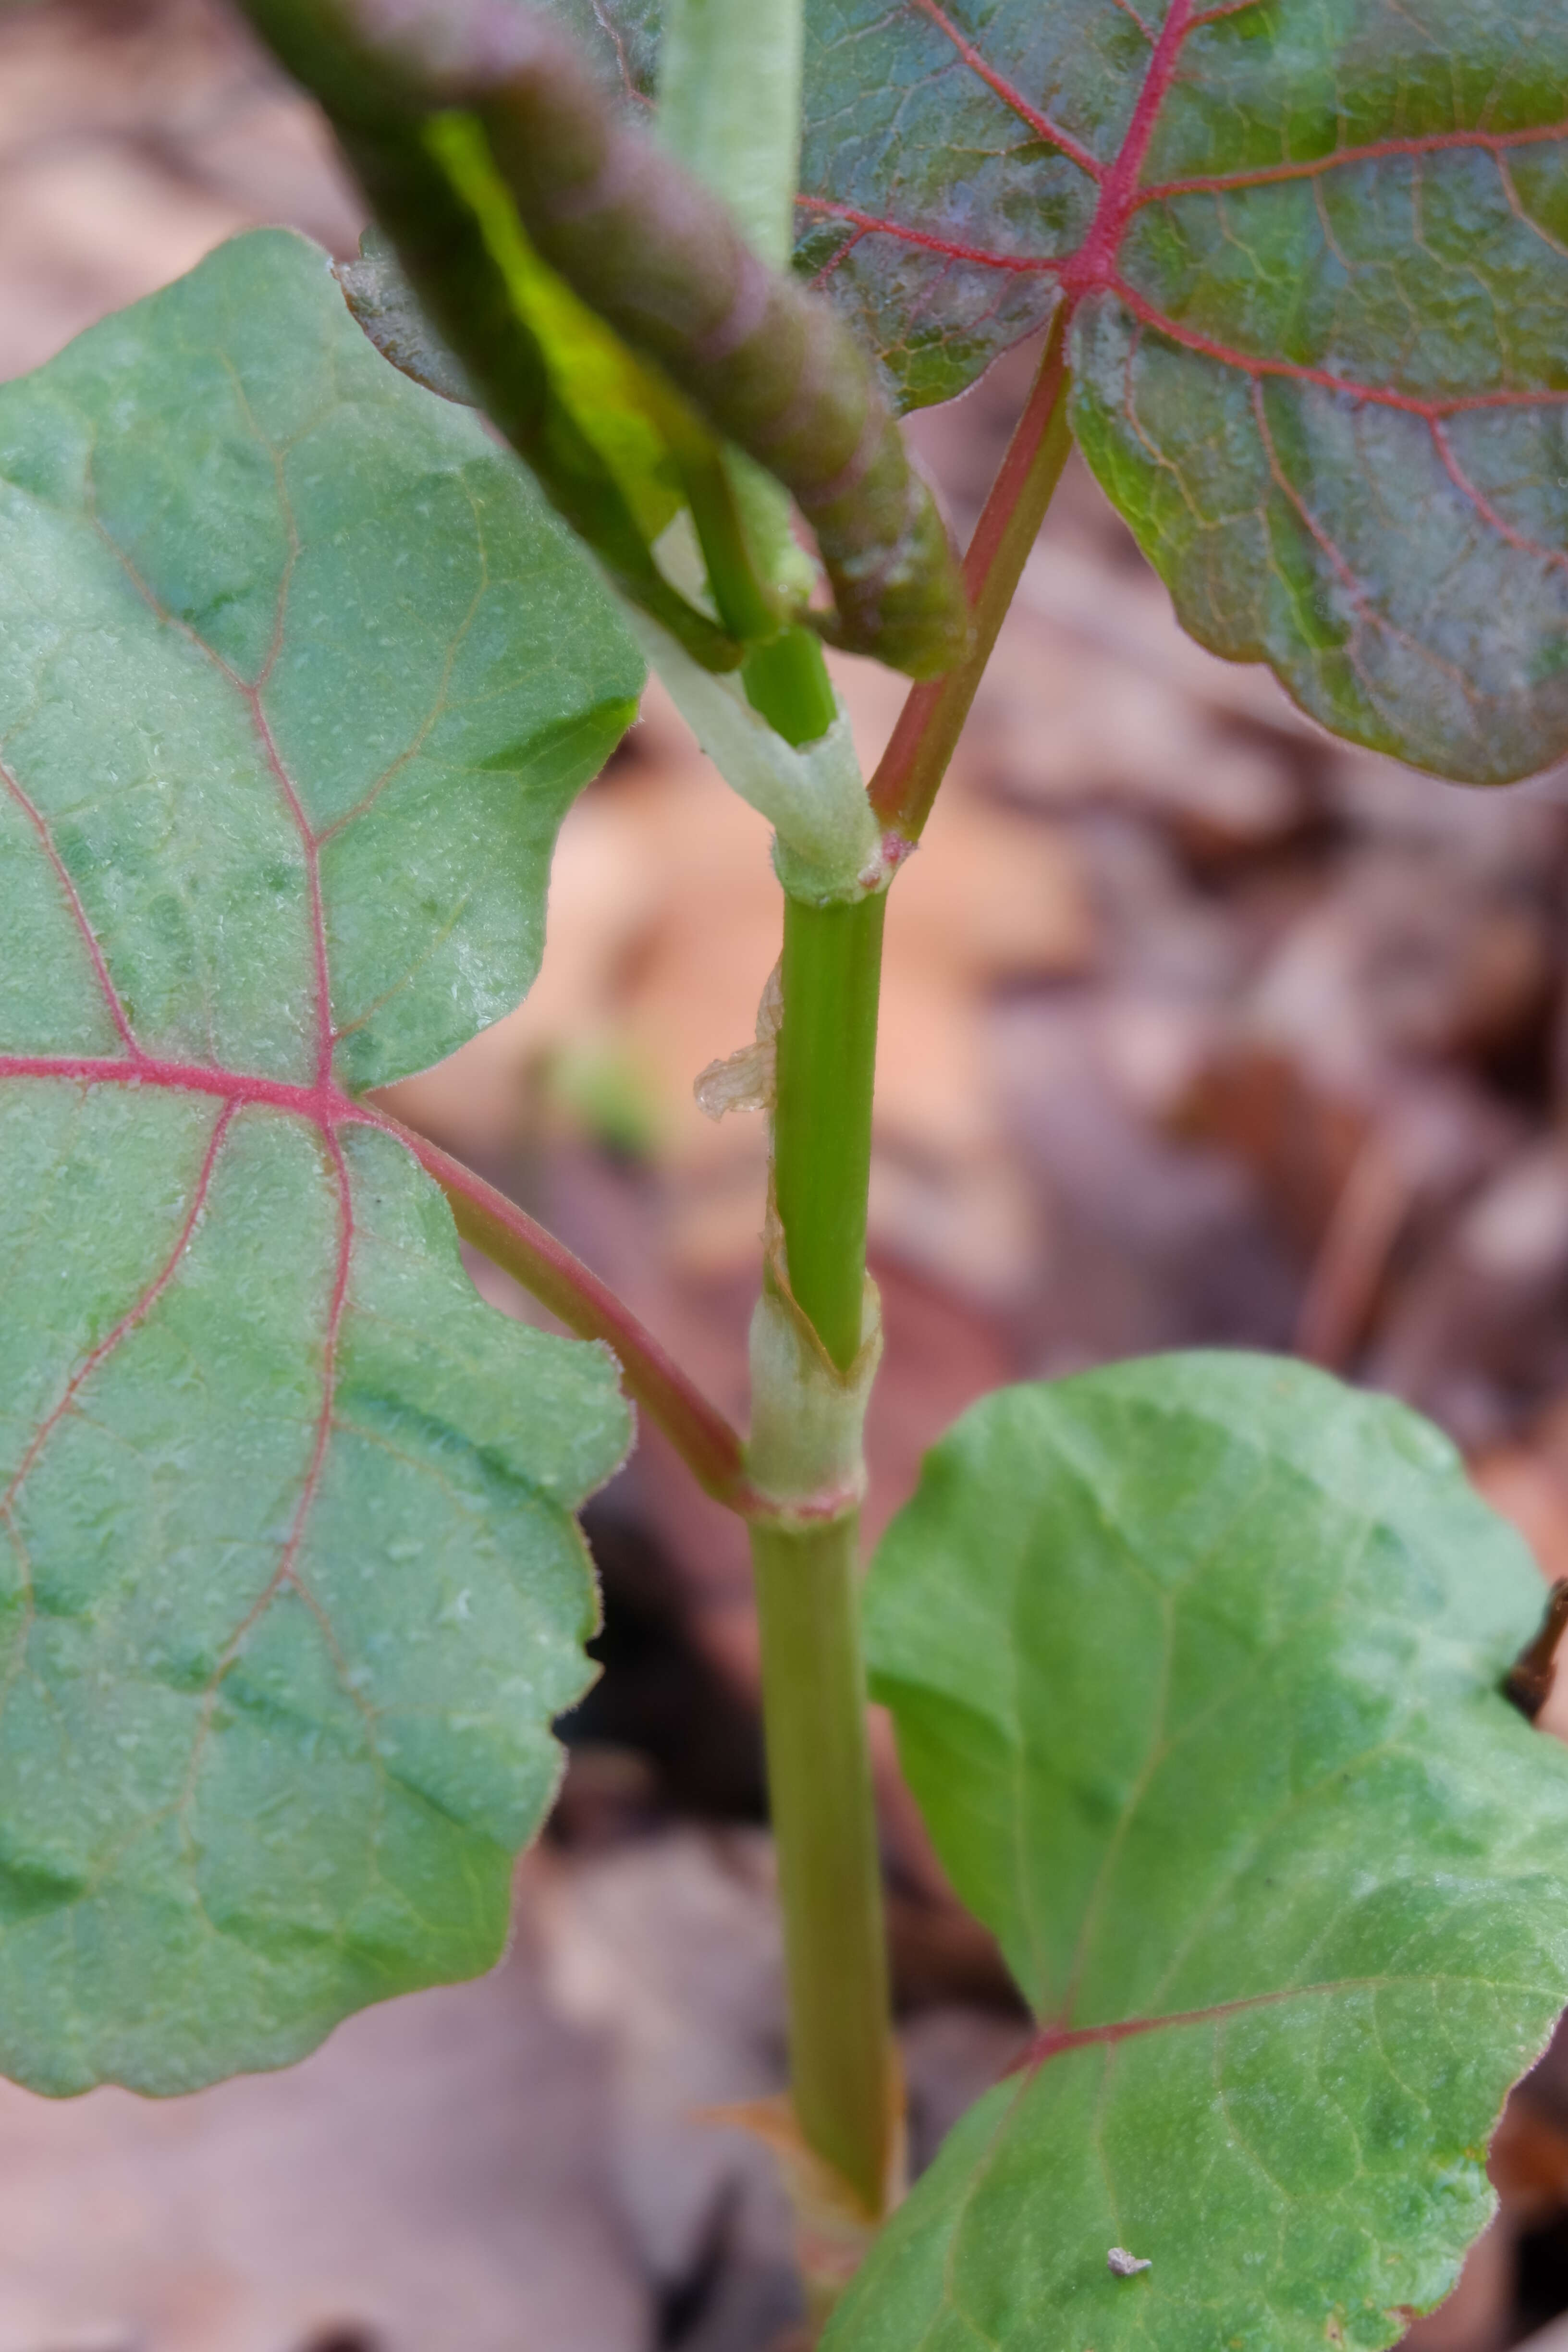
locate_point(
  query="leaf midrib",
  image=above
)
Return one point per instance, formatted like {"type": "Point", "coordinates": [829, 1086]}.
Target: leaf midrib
{"type": "Point", "coordinates": [1092, 268]}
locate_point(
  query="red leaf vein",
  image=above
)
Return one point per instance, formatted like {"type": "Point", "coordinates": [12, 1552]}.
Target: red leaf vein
{"type": "Point", "coordinates": [1409, 403]}
{"type": "Point", "coordinates": [869, 225]}
{"type": "Point", "coordinates": [1041, 124]}
{"type": "Point", "coordinates": [1499, 144]}
{"type": "Point", "coordinates": [134, 1314]}
{"type": "Point", "coordinates": [1094, 265]}
{"type": "Point", "coordinates": [310, 853]}
{"type": "Point", "coordinates": [284, 1573]}
{"type": "Point", "coordinates": [1056, 2041]}
{"type": "Point", "coordinates": [107, 989]}
{"type": "Point", "coordinates": [1552, 556]}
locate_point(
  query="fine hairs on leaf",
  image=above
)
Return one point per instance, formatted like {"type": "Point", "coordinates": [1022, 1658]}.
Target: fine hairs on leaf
{"type": "Point", "coordinates": [1196, 1666]}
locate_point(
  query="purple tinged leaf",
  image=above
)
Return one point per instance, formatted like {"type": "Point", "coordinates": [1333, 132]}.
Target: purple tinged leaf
{"type": "Point", "coordinates": [1316, 253]}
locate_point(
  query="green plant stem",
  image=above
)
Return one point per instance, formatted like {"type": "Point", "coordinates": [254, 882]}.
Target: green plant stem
{"type": "Point", "coordinates": [931, 720]}
{"type": "Point", "coordinates": [842, 2066]}
{"type": "Point", "coordinates": [784, 675]}
{"type": "Point", "coordinates": [843, 2062]}
{"type": "Point", "coordinates": [729, 109]}
{"type": "Point", "coordinates": [830, 980]}
{"type": "Point", "coordinates": [742, 604]}
{"type": "Point", "coordinates": [729, 106]}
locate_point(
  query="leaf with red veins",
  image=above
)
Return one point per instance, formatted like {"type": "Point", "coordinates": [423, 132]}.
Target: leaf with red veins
{"type": "Point", "coordinates": [1193, 1665]}
{"type": "Point", "coordinates": [296, 678]}
{"type": "Point", "coordinates": [1317, 254]}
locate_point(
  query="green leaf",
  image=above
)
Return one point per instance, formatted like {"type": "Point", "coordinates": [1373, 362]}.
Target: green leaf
{"type": "Point", "coordinates": [297, 678]}
{"type": "Point", "coordinates": [1317, 257]}
{"type": "Point", "coordinates": [1193, 1669]}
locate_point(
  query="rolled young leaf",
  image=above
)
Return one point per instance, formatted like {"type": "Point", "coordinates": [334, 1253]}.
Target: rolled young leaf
{"type": "Point", "coordinates": [456, 235]}
{"type": "Point", "coordinates": [660, 259]}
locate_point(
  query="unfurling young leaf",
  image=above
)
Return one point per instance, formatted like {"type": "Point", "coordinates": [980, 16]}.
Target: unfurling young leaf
{"type": "Point", "coordinates": [296, 678]}
{"type": "Point", "coordinates": [630, 425]}
{"type": "Point", "coordinates": [1316, 254]}
{"type": "Point", "coordinates": [479, 136]}
{"type": "Point", "coordinates": [1194, 1669]}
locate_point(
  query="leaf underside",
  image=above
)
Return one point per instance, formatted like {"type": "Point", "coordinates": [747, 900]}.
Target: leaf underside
{"type": "Point", "coordinates": [1316, 254]}
{"type": "Point", "coordinates": [296, 679]}
{"type": "Point", "coordinates": [1193, 1667]}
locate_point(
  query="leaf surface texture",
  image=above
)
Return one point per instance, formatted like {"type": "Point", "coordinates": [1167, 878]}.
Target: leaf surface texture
{"type": "Point", "coordinates": [298, 677]}
{"type": "Point", "coordinates": [1194, 1666]}
{"type": "Point", "coordinates": [1316, 253]}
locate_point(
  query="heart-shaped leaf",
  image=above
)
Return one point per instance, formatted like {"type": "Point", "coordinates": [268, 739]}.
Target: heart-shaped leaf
{"type": "Point", "coordinates": [296, 678]}
{"type": "Point", "coordinates": [1316, 254]}
{"type": "Point", "coordinates": [1193, 1668]}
